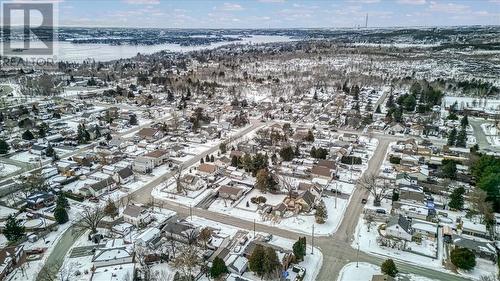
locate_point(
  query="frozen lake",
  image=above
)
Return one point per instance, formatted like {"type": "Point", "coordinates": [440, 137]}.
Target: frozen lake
{"type": "Point", "coordinates": [67, 51]}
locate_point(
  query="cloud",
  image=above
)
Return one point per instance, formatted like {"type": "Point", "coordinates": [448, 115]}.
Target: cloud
{"type": "Point", "coordinates": [142, 2]}
{"type": "Point", "coordinates": [229, 7]}
{"type": "Point", "coordinates": [364, 1]}
{"type": "Point", "coordinates": [450, 8]}
{"type": "Point", "coordinates": [412, 2]}
{"type": "Point", "coordinates": [271, 1]}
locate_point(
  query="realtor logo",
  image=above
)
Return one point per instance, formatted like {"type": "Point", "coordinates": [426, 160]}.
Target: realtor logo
{"type": "Point", "coordinates": [28, 28]}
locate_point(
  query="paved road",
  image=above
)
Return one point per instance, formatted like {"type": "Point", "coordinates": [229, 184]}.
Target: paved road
{"type": "Point", "coordinates": [337, 250]}
{"type": "Point", "coordinates": [481, 136]}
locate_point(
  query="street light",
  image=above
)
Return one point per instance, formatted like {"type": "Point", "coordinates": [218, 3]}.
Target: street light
{"type": "Point", "coordinates": [312, 241]}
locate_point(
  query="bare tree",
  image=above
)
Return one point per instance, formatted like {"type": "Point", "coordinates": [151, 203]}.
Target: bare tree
{"type": "Point", "coordinates": [187, 260]}
{"type": "Point", "coordinates": [178, 182]}
{"type": "Point", "coordinates": [205, 235]}
{"type": "Point", "coordinates": [369, 182]}
{"type": "Point", "coordinates": [141, 253]}
{"type": "Point", "coordinates": [90, 217]}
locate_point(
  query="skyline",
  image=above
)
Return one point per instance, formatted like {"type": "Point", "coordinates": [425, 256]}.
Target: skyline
{"type": "Point", "coordinates": [276, 13]}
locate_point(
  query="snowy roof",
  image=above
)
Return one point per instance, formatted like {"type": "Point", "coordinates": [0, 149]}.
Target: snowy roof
{"type": "Point", "coordinates": [149, 234]}
{"type": "Point", "coordinates": [432, 228]}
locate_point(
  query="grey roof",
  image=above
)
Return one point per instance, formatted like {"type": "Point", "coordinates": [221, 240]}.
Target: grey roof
{"type": "Point", "coordinates": [402, 221]}
{"type": "Point", "coordinates": [125, 173]}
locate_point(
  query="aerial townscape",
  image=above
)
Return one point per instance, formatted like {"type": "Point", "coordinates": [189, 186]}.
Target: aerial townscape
{"type": "Point", "coordinates": [262, 152]}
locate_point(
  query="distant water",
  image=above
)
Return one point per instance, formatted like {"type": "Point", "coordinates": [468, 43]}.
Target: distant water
{"type": "Point", "coordinates": [67, 51]}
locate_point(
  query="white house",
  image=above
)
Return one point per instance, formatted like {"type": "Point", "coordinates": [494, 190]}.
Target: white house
{"type": "Point", "coordinates": [399, 227]}
{"type": "Point", "coordinates": [136, 215]}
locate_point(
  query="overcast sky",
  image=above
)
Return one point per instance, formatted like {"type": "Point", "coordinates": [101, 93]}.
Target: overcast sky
{"type": "Point", "coordinates": [277, 13]}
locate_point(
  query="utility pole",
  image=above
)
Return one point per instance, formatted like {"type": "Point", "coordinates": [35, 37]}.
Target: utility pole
{"type": "Point", "coordinates": [253, 228]}
{"type": "Point", "coordinates": [312, 241]}
{"type": "Point", "coordinates": [190, 212]}
{"type": "Point", "coordinates": [336, 193]}
{"type": "Point", "coordinates": [357, 257]}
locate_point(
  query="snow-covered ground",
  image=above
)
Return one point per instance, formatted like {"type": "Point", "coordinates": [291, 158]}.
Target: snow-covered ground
{"type": "Point", "coordinates": [492, 133]}
{"type": "Point", "coordinates": [302, 223]}
{"type": "Point", "coordinates": [367, 239]}
{"type": "Point", "coordinates": [365, 271]}
{"type": "Point", "coordinates": [7, 169]}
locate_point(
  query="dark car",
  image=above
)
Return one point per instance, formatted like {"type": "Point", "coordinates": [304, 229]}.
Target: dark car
{"type": "Point", "coordinates": [363, 201]}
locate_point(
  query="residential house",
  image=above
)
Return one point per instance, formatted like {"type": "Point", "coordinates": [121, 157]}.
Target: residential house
{"type": "Point", "coordinates": [192, 182]}
{"type": "Point", "coordinates": [179, 231]}
{"type": "Point", "coordinates": [399, 227]}
{"type": "Point", "coordinates": [150, 134]}
{"type": "Point", "coordinates": [125, 175]}
{"type": "Point", "coordinates": [322, 172]}
{"type": "Point", "coordinates": [40, 199]}
{"type": "Point", "coordinates": [482, 249]}
{"type": "Point", "coordinates": [230, 192]}
{"type": "Point", "coordinates": [207, 170]}
{"type": "Point", "coordinates": [349, 137]}
{"type": "Point", "coordinates": [136, 215]}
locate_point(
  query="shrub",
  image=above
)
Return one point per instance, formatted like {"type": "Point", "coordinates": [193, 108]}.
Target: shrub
{"type": "Point", "coordinates": [389, 268]}
{"type": "Point", "coordinates": [463, 258]}
{"type": "Point", "coordinates": [394, 159]}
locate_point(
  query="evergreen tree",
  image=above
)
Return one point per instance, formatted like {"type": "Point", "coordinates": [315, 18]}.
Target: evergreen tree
{"type": "Point", "coordinates": [378, 110]}
{"type": "Point", "coordinates": [133, 120]}
{"type": "Point", "coordinates": [13, 230]}
{"type": "Point", "coordinates": [49, 151]}
{"type": "Point", "coordinates": [212, 158]}
{"type": "Point", "coordinates": [61, 215]}
{"type": "Point", "coordinates": [457, 198]}
{"type": "Point", "coordinates": [449, 169]}
{"type": "Point", "coordinates": [452, 137]}
{"type": "Point", "coordinates": [389, 267]}
{"type": "Point", "coordinates": [4, 147]}
{"type": "Point", "coordinates": [271, 263]}
{"type": "Point", "coordinates": [207, 158]}
{"type": "Point", "coordinates": [287, 153]}
{"type": "Point", "coordinates": [108, 137]}
{"type": "Point", "coordinates": [464, 122]}
{"type": "Point", "coordinates": [463, 258]}
{"type": "Point", "coordinates": [299, 249]}
{"type": "Point", "coordinates": [297, 151]}
{"type": "Point", "coordinates": [62, 200]}
{"type": "Point", "coordinates": [256, 260]}
{"type": "Point", "coordinates": [462, 138]}
{"type": "Point", "coordinates": [201, 161]}
{"type": "Point", "coordinates": [390, 101]}
{"type": "Point", "coordinates": [223, 148]}
{"type": "Point", "coordinates": [218, 268]}
{"type": "Point", "coordinates": [234, 161]}
{"type": "Point", "coordinates": [27, 135]}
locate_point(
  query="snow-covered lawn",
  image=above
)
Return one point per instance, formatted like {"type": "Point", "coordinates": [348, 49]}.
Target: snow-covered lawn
{"type": "Point", "coordinates": [7, 169]}
{"type": "Point", "coordinates": [301, 223]}
{"type": "Point", "coordinates": [367, 240]}
{"type": "Point", "coordinates": [365, 271]}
